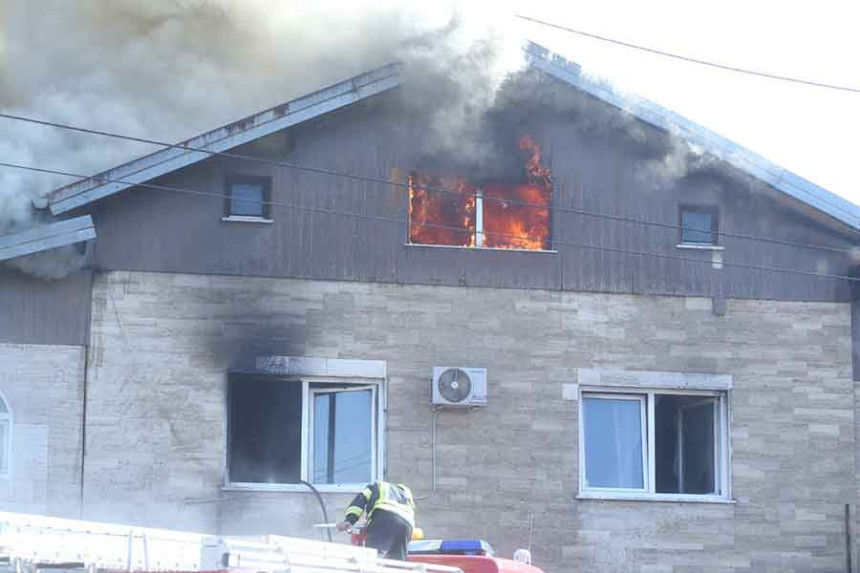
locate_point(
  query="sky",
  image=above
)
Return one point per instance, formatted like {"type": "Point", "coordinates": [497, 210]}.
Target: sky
{"type": "Point", "coordinates": [810, 131]}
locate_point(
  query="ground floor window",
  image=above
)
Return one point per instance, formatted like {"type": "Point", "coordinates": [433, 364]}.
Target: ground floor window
{"type": "Point", "coordinates": [5, 436]}
{"type": "Point", "coordinates": [342, 446]}
{"type": "Point", "coordinates": [654, 443]}
{"type": "Point", "coordinates": [283, 431]}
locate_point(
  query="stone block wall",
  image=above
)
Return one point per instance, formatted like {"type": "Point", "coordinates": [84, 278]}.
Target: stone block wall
{"type": "Point", "coordinates": [43, 388]}
{"type": "Point", "coordinates": [163, 343]}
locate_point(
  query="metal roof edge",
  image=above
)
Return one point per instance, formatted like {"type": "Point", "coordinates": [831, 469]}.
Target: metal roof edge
{"type": "Point", "coordinates": [46, 237]}
{"type": "Point", "coordinates": [778, 177]}
{"type": "Point", "coordinates": [239, 132]}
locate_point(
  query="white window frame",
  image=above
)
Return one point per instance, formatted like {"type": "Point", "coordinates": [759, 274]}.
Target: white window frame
{"type": "Point", "coordinates": [722, 451]}
{"type": "Point", "coordinates": [378, 444]}
{"type": "Point", "coordinates": [7, 420]}
{"type": "Point", "coordinates": [307, 461]}
{"type": "Point", "coordinates": [643, 420]}
{"type": "Point", "coordinates": [479, 234]}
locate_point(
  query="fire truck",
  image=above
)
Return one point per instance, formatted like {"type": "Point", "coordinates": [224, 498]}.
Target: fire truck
{"type": "Point", "coordinates": [39, 544]}
{"type": "Point", "coordinates": [467, 555]}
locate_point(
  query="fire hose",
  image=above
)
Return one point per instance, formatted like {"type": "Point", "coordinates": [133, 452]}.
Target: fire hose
{"type": "Point", "coordinates": [322, 506]}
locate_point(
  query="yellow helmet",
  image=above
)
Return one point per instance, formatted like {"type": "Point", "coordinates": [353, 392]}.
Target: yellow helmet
{"type": "Point", "coordinates": [417, 534]}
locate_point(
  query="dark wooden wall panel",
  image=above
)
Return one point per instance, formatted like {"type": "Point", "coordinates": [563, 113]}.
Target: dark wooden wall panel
{"type": "Point", "coordinates": [594, 170]}
{"type": "Point", "coordinates": [35, 311]}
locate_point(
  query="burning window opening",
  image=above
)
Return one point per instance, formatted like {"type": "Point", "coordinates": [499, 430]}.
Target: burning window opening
{"type": "Point", "coordinates": [496, 215]}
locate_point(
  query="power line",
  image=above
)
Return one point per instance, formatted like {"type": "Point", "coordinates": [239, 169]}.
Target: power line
{"type": "Point", "coordinates": [434, 189]}
{"type": "Point", "coordinates": [399, 221]}
{"type": "Point", "coordinates": [689, 59]}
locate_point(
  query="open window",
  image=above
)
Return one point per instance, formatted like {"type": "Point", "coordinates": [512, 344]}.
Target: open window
{"type": "Point", "coordinates": [5, 436]}
{"type": "Point", "coordinates": [660, 444]}
{"type": "Point", "coordinates": [342, 445]}
{"type": "Point", "coordinates": [284, 431]}
{"type": "Point", "coordinates": [248, 198]}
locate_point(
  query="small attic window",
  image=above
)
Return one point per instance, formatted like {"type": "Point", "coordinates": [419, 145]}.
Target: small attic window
{"type": "Point", "coordinates": [699, 225]}
{"type": "Point", "coordinates": [247, 198]}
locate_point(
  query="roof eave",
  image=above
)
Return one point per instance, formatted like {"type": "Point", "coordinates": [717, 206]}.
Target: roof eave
{"type": "Point", "coordinates": [46, 237]}
{"type": "Point", "coordinates": [757, 166]}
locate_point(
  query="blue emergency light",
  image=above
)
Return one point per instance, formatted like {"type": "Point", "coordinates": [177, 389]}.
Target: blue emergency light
{"type": "Point", "coordinates": [451, 547]}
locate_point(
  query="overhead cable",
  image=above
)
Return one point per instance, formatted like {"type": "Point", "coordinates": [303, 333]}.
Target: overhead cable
{"type": "Point", "coordinates": [689, 59]}
{"type": "Point", "coordinates": [400, 221]}
{"type": "Point", "coordinates": [434, 189]}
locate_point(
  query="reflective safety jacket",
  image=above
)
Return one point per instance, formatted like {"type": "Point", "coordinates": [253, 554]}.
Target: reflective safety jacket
{"type": "Point", "coordinates": [381, 495]}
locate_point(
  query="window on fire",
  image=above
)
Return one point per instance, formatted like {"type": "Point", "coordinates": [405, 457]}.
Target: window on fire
{"type": "Point", "coordinates": [455, 212]}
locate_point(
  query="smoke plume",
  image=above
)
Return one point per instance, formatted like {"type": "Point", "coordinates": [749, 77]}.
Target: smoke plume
{"type": "Point", "coordinates": [170, 69]}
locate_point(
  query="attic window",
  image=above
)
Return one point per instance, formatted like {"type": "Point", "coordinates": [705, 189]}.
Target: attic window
{"type": "Point", "coordinates": [247, 198]}
{"type": "Point", "coordinates": [699, 225]}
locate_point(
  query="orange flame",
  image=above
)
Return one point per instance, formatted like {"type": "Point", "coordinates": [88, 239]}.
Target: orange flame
{"type": "Point", "coordinates": [515, 216]}
{"type": "Point", "coordinates": [441, 217]}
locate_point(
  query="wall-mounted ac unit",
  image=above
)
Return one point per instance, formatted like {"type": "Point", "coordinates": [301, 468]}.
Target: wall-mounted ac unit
{"type": "Point", "coordinates": [459, 386]}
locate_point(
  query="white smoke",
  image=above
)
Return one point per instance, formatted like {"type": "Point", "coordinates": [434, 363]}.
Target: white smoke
{"type": "Point", "coordinates": [170, 69]}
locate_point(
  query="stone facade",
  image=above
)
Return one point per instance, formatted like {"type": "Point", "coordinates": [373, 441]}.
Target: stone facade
{"type": "Point", "coordinates": [162, 344]}
{"type": "Point", "coordinates": [43, 388]}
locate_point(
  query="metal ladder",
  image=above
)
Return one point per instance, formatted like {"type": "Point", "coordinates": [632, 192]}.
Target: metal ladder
{"type": "Point", "coordinates": [38, 544]}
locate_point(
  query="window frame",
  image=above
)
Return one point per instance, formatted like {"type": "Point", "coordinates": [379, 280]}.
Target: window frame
{"type": "Point", "coordinates": [714, 212]}
{"type": "Point", "coordinates": [479, 235]}
{"type": "Point", "coordinates": [643, 428]}
{"type": "Point", "coordinates": [263, 180]}
{"type": "Point", "coordinates": [309, 458]}
{"type": "Point", "coordinates": [378, 434]}
{"type": "Point", "coordinates": [7, 419]}
{"type": "Point", "coordinates": [722, 449]}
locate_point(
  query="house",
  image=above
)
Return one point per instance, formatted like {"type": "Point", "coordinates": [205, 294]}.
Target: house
{"type": "Point", "coordinates": [666, 335]}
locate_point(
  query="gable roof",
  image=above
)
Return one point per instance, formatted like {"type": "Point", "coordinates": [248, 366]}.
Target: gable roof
{"type": "Point", "coordinates": [389, 77]}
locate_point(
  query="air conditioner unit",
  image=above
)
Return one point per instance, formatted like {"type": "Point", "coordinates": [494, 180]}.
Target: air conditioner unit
{"type": "Point", "coordinates": [459, 386]}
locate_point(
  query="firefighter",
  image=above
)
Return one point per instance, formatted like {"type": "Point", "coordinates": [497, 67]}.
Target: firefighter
{"type": "Point", "coordinates": [390, 513]}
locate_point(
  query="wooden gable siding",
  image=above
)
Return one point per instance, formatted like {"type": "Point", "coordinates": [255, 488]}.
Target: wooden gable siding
{"type": "Point", "coordinates": [153, 230]}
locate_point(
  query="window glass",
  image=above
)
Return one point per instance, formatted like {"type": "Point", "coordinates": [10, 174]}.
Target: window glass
{"type": "Point", "coordinates": [246, 199]}
{"type": "Point", "coordinates": [5, 436]}
{"type": "Point", "coordinates": [697, 227]}
{"type": "Point", "coordinates": [323, 426]}
{"type": "Point", "coordinates": [343, 437]}
{"type": "Point", "coordinates": [685, 444]}
{"type": "Point", "coordinates": [613, 443]}
{"type": "Point", "coordinates": [689, 435]}
{"type": "Point", "coordinates": [698, 442]}
{"type": "Point", "coordinates": [265, 417]}
{"type": "Point", "coordinates": [4, 450]}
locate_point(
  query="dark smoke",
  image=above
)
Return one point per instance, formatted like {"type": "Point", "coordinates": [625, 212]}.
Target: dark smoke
{"type": "Point", "coordinates": [483, 143]}
{"type": "Point", "coordinates": [170, 69]}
